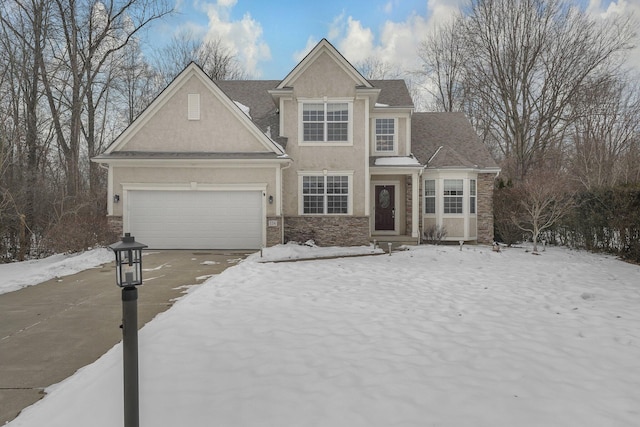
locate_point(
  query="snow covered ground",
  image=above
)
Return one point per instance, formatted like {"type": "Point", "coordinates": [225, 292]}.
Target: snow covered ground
{"type": "Point", "coordinates": [17, 275]}
{"type": "Point", "coordinates": [433, 336]}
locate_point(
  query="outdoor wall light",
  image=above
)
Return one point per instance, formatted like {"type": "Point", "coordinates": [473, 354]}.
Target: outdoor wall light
{"type": "Point", "coordinates": [116, 198]}
{"type": "Point", "coordinates": [270, 200]}
{"type": "Point", "coordinates": [129, 275]}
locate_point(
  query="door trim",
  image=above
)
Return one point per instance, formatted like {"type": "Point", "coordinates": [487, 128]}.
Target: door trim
{"type": "Point", "coordinates": [396, 220]}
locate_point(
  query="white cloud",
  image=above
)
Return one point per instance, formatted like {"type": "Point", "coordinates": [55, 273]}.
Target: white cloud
{"type": "Point", "coordinates": [227, 3]}
{"type": "Point", "coordinates": [242, 37]}
{"type": "Point", "coordinates": [357, 43]}
{"type": "Point", "coordinates": [300, 54]}
{"type": "Point", "coordinates": [619, 8]}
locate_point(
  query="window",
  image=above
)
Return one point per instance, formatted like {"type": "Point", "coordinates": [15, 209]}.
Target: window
{"type": "Point", "coordinates": [385, 132]}
{"type": "Point", "coordinates": [325, 122]}
{"type": "Point", "coordinates": [472, 196]}
{"type": "Point", "coordinates": [325, 194]}
{"type": "Point", "coordinates": [453, 195]}
{"type": "Point", "coordinates": [430, 196]}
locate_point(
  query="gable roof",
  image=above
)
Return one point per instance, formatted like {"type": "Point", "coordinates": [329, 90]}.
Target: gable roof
{"type": "Point", "coordinates": [192, 70]}
{"type": "Point", "coordinates": [324, 47]}
{"type": "Point", "coordinates": [447, 140]}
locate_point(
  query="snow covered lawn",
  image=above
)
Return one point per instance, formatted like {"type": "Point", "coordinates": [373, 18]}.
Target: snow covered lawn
{"type": "Point", "coordinates": [433, 336]}
{"type": "Point", "coordinates": [17, 275]}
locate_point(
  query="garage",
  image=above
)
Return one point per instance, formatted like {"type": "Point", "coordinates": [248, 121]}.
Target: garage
{"type": "Point", "coordinates": [196, 219]}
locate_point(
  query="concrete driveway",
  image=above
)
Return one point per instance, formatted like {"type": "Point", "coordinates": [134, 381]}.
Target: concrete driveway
{"type": "Point", "coordinates": [49, 331]}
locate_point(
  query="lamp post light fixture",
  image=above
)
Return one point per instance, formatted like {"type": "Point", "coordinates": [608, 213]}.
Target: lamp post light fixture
{"type": "Point", "coordinates": [129, 275]}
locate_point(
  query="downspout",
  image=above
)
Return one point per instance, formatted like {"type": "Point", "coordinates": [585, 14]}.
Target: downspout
{"type": "Point", "coordinates": [420, 206]}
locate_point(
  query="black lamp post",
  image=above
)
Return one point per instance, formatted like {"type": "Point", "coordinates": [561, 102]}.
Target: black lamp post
{"type": "Point", "coordinates": [129, 275]}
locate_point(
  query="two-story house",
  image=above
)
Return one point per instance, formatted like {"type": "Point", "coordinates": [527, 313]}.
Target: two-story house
{"type": "Point", "coordinates": [323, 154]}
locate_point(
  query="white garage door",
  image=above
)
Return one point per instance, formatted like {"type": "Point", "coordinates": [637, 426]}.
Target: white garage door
{"type": "Point", "coordinates": [196, 219]}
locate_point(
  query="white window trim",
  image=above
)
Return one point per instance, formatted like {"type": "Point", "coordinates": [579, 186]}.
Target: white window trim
{"type": "Point", "coordinates": [462, 196]}
{"type": "Point", "coordinates": [434, 197]}
{"type": "Point", "coordinates": [325, 100]}
{"type": "Point", "coordinates": [348, 174]}
{"type": "Point", "coordinates": [474, 196]}
{"type": "Point", "coordinates": [375, 150]}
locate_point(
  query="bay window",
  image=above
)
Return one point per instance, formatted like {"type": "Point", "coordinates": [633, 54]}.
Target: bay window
{"type": "Point", "coordinates": [472, 196]}
{"type": "Point", "coordinates": [453, 196]}
{"type": "Point", "coordinates": [430, 196]}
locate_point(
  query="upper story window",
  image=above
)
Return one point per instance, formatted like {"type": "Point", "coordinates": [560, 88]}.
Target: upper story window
{"type": "Point", "coordinates": [385, 135]}
{"type": "Point", "coordinates": [453, 196]}
{"type": "Point", "coordinates": [325, 122]}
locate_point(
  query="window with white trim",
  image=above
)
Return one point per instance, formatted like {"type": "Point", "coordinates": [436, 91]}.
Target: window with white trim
{"type": "Point", "coordinates": [325, 194]}
{"type": "Point", "coordinates": [430, 196]}
{"type": "Point", "coordinates": [472, 196]}
{"type": "Point", "coordinates": [453, 196]}
{"type": "Point", "coordinates": [385, 135]}
{"type": "Point", "coordinates": [325, 122]}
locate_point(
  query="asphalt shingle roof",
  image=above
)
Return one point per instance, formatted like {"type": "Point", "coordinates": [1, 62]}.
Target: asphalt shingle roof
{"type": "Point", "coordinates": [448, 140]}
{"type": "Point", "coordinates": [254, 94]}
{"type": "Point", "coordinates": [394, 93]}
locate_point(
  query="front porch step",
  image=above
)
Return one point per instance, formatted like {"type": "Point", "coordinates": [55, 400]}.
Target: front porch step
{"type": "Point", "coordinates": [396, 242]}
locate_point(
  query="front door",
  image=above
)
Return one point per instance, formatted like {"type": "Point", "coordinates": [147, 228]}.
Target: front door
{"type": "Point", "coordinates": [385, 207]}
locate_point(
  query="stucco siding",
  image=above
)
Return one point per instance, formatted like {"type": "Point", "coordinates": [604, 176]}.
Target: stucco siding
{"type": "Point", "coordinates": [324, 77]}
{"type": "Point", "coordinates": [218, 130]}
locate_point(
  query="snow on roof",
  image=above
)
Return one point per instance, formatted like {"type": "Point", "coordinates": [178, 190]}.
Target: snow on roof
{"type": "Point", "coordinates": [378, 104]}
{"type": "Point", "coordinates": [397, 161]}
{"type": "Point", "coordinates": [244, 108]}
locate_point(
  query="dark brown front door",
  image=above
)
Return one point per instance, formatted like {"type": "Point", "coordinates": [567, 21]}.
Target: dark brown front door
{"type": "Point", "coordinates": [385, 207]}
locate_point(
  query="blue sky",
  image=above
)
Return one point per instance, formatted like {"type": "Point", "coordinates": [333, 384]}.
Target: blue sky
{"type": "Point", "coordinates": [270, 37]}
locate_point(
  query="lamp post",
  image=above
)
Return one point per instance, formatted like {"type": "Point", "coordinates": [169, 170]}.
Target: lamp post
{"type": "Point", "coordinates": [129, 275]}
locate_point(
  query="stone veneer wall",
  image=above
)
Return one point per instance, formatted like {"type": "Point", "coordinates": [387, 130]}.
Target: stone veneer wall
{"type": "Point", "coordinates": [408, 210]}
{"type": "Point", "coordinates": [115, 224]}
{"type": "Point", "coordinates": [485, 207]}
{"type": "Point", "coordinates": [328, 230]}
{"type": "Point", "coordinates": [274, 234]}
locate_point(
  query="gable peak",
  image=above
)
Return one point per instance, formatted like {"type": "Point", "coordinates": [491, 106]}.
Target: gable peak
{"type": "Point", "coordinates": [324, 46]}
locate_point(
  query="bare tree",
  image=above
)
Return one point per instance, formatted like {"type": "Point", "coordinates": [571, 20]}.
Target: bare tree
{"type": "Point", "coordinates": [216, 60]}
{"type": "Point", "coordinates": [90, 34]}
{"type": "Point", "coordinates": [524, 62]}
{"type": "Point", "coordinates": [543, 198]}
{"type": "Point", "coordinates": [136, 83]}
{"type": "Point", "coordinates": [373, 68]}
{"type": "Point", "coordinates": [605, 130]}
{"type": "Point", "coordinates": [24, 29]}
{"type": "Point", "coordinates": [443, 59]}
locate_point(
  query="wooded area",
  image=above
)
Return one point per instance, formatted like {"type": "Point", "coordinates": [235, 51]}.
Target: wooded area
{"type": "Point", "coordinates": [548, 89]}
{"type": "Point", "coordinates": [545, 85]}
{"type": "Point", "coordinates": [72, 77]}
